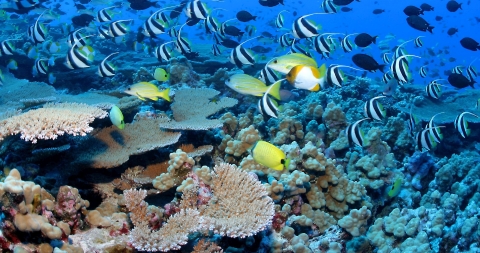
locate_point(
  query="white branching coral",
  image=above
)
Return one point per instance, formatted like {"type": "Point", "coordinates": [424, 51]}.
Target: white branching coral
{"type": "Point", "coordinates": [51, 121]}
{"type": "Point", "coordinates": [239, 207]}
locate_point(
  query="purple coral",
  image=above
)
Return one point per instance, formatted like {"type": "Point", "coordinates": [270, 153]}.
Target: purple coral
{"type": "Point", "coordinates": [420, 164]}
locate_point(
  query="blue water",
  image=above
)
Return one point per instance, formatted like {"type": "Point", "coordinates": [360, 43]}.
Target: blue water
{"type": "Point", "coordinates": [447, 54]}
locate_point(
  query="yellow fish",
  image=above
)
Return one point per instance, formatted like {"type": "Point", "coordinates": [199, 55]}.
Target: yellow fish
{"type": "Point", "coordinates": [396, 187]}
{"type": "Point", "coordinates": [270, 156]}
{"type": "Point", "coordinates": [307, 77]}
{"type": "Point", "coordinates": [116, 116]}
{"type": "Point", "coordinates": [284, 64]}
{"type": "Point", "coordinates": [144, 90]}
{"type": "Point", "coordinates": [249, 85]}
{"type": "Point", "coordinates": [161, 75]}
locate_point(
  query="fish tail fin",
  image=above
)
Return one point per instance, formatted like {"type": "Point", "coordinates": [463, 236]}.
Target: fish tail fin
{"type": "Point", "coordinates": [165, 94]}
{"type": "Point", "coordinates": [381, 67]}
{"type": "Point", "coordinates": [460, 6]}
{"type": "Point", "coordinates": [275, 89]}
{"type": "Point", "coordinates": [286, 163]}
{"type": "Point", "coordinates": [374, 39]}
{"type": "Point", "coordinates": [430, 28]}
{"type": "Point", "coordinates": [322, 70]}
{"type": "Point", "coordinates": [255, 18]}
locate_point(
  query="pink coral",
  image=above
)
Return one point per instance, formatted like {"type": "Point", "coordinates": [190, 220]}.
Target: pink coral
{"type": "Point", "coordinates": [69, 206]}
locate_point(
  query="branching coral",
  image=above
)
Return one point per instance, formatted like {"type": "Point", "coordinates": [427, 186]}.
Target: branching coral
{"type": "Point", "coordinates": [239, 207]}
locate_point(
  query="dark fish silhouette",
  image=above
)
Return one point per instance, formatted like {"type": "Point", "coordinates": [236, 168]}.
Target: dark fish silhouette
{"type": "Point", "coordinates": [470, 44]}
{"type": "Point", "coordinates": [245, 16]}
{"type": "Point", "coordinates": [459, 81]}
{"type": "Point", "coordinates": [412, 11]}
{"type": "Point", "coordinates": [453, 6]}
{"type": "Point", "coordinates": [82, 20]}
{"type": "Point", "coordinates": [364, 40]}
{"type": "Point", "coordinates": [419, 23]}
{"type": "Point", "coordinates": [366, 62]}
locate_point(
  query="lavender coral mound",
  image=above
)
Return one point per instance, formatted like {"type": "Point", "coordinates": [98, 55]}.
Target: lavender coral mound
{"type": "Point", "coordinates": [51, 121]}
{"type": "Point", "coordinates": [193, 106]}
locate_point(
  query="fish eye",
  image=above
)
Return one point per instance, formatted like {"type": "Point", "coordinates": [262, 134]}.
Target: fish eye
{"type": "Point", "coordinates": [166, 75]}
{"type": "Point", "coordinates": [129, 88]}
{"type": "Point", "coordinates": [275, 61]}
{"type": "Point", "coordinates": [282, 161]}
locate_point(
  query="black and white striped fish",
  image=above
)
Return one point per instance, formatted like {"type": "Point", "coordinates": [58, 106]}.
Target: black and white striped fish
{"type": "Point", "coordinates": [412, 123]}
{"type": "Point", "coordinates": [77, 59]}
{"type": "Point", "coordinates": [163, 53]}
{"type": "Point", "coordinates": [106, 69]}
{"type": "Point", "coordinates": [386, 77]}
{"type": "Point", "coordinates": [329, 7]}
{"type": "Point", "coordinates": [355, 134]}
{"type": "Point", "coordinates": [39, 31]}
{"type": "Point", "coordinates": [423, 71]}
{"type": "Point", "coordinates": [103, 32]}
{"type": "Point", "coordinates": [285, 40]}
{"type": "Point", "coordinates": [7, 47]}
{"type": "Point", "coordinates": [40, 66]}
{"type": "Point", "coordinates": [196, 10]}
{"type": "Point", "coordinates": [400, 51]}
{"type": "Point", "coordinates": [298, 48]}
{"type": "Point", "coordinates": [77, 38]}
{"type": "Point", "coordinates": [435, 132]}
{"type": "Point", "coordinates": [267, 106]}
{"type": "Point", "coordinates": [172, 32]}
{"type": "Point", "coordinates": [462, 125]}
{"type": "Point", "coordinates": [268, 75]}
{"type": "Point", "coordinates": [182, 45]}
{"type": "Point", "coordinates": [457, 70]}
{"type": "Point", "coordinates": [117, 28]}
{"type": "Point", "coordinates": [335, 75]}
{"type": "Point", "coordinates": [211, 25]}
{"type": "Point", "coordinates": [321, 44]}
{"type": "Point", "coordinates": [154, 26]}
{"type": "Point", "coordinates": [472, 72]}
{"type": "Point", "coordinates": [399, 69]}
{"type": "Point", "coordinates": [418, 41]}
{"type": "Point", "coordinates": [216, 50]}
{"type": "Point", "coordinates": [218, 38]}
{"type": "Point", "coordinates": [374, 109]}
{"type": "Point", "coordinates": [241, 56]}
{"type": "Point", "coordinates": [279, 21]}
{"type": "Point", "coordinates": [105, 14]}
{"type": "Point", "coordinates": [425, 141]}
{"type": "Point", "coordinates": [434, 89]}
{"type": "Point", "coordinates": [303, 28]}
{"type": "Point", "coordinates": [385, 58]}
{"type": "Point", "coordinates": [30, 33]}
{"type": "Point", "coordinates": [223, 26]}
{"type": "Point", "coordinates": [347, 44]}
